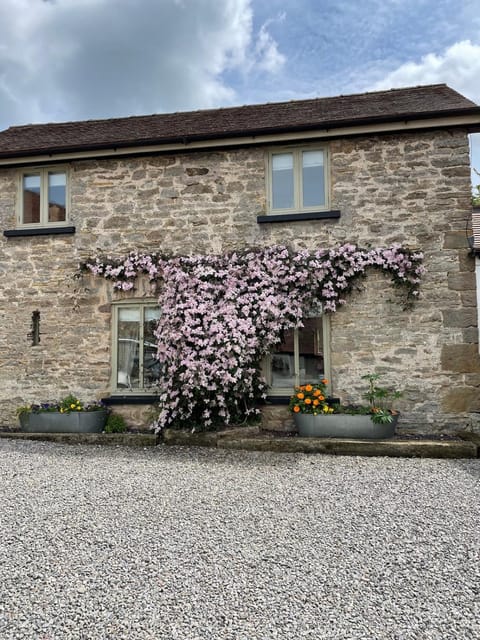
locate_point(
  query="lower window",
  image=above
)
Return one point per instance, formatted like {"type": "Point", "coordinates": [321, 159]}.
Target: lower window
{"type": "Point", "coordinates": [135, 367]}
{"type": "Point", "coordinates": [300, 358]}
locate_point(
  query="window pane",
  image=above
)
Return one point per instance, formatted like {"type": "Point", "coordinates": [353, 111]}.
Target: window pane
{"type": "Point", "coordinates": [31, 198]}
{"type": "Point", "coordinates": [282, 181]}
{"type": "Point", "coordinates": [151, 366]}
{"type": "Point", "coordinates": [313, 179]}
{"type": "Point", "coordinates": [283, 363]}
{"type": "Point", "coordinates": [57, 197]}
{"type": "Point", "coordinates": [311, 365]}
{"type": "Point", "coordinates": [311, 357]}
{"type": "Point", "coordinates": [128, 332]}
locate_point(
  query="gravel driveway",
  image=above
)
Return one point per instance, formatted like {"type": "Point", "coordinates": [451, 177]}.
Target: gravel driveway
{"type": "Point", "coordinates": [175, 543]}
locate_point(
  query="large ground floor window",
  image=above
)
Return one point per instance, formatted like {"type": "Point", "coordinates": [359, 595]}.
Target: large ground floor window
{"type": "Point", "coordinates": [301, 357]}
{"type": "Point", "coordinates": [135, 367]}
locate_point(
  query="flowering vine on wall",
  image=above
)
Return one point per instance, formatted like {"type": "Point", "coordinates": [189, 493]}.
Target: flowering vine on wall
{"type": "Point", "coordinates": [222, 313]}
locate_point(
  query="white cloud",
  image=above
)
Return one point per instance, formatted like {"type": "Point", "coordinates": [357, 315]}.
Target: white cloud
{"type": "Point", "coordinates": [268, 55]}
{"type": "Point", "coordinates": [77, 59]}
{"type": "Point", "coordinates": [458, 66]}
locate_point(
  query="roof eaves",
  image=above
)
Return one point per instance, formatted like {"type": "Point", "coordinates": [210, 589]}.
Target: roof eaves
{"type": "Point", "coordinates": [246, 133]}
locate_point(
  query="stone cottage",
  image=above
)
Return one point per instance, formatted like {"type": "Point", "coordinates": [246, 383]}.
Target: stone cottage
{"type": "Point", "coordinates": [370, 169]}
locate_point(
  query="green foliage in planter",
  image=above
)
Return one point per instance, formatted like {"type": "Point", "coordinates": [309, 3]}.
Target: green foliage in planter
{"type": "Point", "coordinates": [380, 400]}
{"type": "Point", "coordinates": [312, 399]}
{"type": "Point", "coordinates": [68, 404]}
{"type": "Point", "coordinates": [115, 424]}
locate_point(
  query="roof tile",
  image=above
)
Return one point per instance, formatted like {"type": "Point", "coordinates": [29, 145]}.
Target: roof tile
{"type": "Point", "coordinates": [298, 115]}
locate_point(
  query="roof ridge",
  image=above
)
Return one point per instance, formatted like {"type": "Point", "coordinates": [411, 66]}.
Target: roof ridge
{"type": "Point", "coordinates": [229, 108]}
{"type": "Point", "coordinates": [423, 102]}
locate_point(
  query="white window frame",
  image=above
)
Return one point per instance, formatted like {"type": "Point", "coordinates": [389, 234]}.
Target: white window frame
{"type": "Point", "coordinates": [297, 151]}
{"type": "Point", "coordinates": [267, 361]}
{"type": "Point", "coordinates": [43, 171]}
{"type": "Point", "coordinates": [116, 306]}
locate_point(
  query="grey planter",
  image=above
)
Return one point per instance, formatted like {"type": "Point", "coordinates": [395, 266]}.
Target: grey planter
{"type": "Point", "coordinates": [56, 422]}
{"type": "Point", "coordinates": [342, 425]}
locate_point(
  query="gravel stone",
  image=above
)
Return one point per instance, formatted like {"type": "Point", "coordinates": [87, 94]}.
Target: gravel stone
{"type": "Point", "coordinates": [197, 544]}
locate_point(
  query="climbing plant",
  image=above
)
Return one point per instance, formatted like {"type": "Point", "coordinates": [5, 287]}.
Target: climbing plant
{"type": "Point", "coordinates": [222, 313]}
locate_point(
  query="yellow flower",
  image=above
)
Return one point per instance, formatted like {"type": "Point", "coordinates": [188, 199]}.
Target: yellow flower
{"type": "Point", "coordinates": [72, 406]}
{"type": "Point", "coordinates": [62, 409]}
{"type": "Point", "coordinates": [326, 409]}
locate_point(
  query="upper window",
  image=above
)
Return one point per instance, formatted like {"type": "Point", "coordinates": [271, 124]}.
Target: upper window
{"type": "Point", "coordinates": [301, 357]}
{"type": "Point", "coordinates": [43, 197]}
{"type": "Point", "coordinates": [135, 367]}
{"type": "Point", "coordinates": [298, 180]}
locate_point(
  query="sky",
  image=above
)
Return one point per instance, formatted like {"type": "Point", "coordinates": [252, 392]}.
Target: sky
{"type": "Point", "coordinates": [82, 59]}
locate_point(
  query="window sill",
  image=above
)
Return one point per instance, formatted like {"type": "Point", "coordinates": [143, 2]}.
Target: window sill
{"type": "Point", "coordinates": [41, 231]}
{"type": "Point", "coordinates": [131, 399]}
{"type": "Point", "coordinates": [286, 400]}
{"type": "Point", "coordinates": [294, 217]}
{"type": "Point", "coordinates": [277, 400]}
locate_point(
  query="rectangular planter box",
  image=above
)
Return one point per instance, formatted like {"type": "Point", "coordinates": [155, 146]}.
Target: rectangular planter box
{"type": "Point", "coordinates": [343, 426]}
{"type": "Point", "coordinates": [56, 422]}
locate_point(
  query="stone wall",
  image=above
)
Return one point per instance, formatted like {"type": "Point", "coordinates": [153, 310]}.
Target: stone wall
{"type": "Point", "coordinates": [411, 188]}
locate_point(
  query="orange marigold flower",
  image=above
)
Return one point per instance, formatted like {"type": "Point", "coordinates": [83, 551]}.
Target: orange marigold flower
{"type": "Point", "coordinates": [317, 393]}
{"type": "Point", "coordinates": [296, 408]}
{"type": "Point", "coordinates": [308, 401]}
{"type": "Point", "coordinates": [308, 387]}
{"type": "Point", "coordinates": [320, 397]}
{"type": "Point", "coordinates": [300, 396]}
{"type": "Point", "coordinates": [324, 381]}
{"type": "Point", "coordinates": [316, 402]}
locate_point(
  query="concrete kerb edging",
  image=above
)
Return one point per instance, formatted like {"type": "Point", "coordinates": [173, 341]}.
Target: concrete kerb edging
{"type": "Point", "coordinates": [471, 437]}
{"type": "Point", "coordinates": [250, 439]}
{"type": "Point", "coordinates": [342, 447]}
{"type": "Point", "coordinates": [113, 439]}
{"type": "Point", "coordinates": [238, 439]}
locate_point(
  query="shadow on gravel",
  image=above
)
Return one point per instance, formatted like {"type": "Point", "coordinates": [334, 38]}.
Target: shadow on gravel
{"type": "Point", "coordinates": [472, 467]}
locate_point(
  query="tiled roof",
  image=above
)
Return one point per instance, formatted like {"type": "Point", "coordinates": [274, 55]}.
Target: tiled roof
{"type": "Point", "coordinates": [300, 115]}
